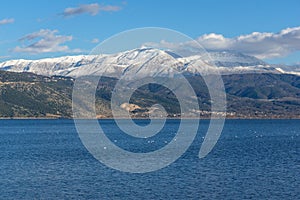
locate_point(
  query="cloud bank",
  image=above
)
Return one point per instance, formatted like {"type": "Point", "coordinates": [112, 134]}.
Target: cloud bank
{"type": "Point", "coordinates": [91, 9]}
{"type": "Point", "coordinates": [45, 41]}
{"type": "Point", "coordinates": [260, 45]}
{"type": "Point", "coordinates": [263, 45]}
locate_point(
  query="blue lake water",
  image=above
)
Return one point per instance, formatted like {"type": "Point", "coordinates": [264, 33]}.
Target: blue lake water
{"type": "Point", "coordinates": [45, 159]}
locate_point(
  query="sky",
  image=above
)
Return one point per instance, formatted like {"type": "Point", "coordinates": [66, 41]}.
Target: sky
{"type": "Point", "coordinates": [269, 30]}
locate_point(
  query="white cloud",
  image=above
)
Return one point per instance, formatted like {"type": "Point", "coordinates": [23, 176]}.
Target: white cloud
{"type": "Point", "coordinates": [7, 21]}
{"type": "Point", "coordinates": [45, 41]}
{"type": "Point", "coordinates": [110, 8]}
{"type": "Point", "coordinates": [214, 41]}
{"type": "Point", "coordinates": [92, 9]}
{"type": "Point", "coordinates": [261, 45]}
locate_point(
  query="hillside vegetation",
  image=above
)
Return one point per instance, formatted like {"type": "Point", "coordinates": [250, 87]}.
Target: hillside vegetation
{"type": "Point", "coordinates": [248, 96]}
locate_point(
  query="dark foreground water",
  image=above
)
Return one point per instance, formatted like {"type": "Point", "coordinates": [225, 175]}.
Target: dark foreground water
{"type": "Point", "coordinates": [45, 159]}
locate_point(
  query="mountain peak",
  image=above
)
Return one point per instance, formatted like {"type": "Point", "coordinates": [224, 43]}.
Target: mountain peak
{"type": "Point", "coordinates": [115, 65]}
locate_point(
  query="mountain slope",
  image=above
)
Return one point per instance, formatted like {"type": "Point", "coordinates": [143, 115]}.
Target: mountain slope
{"type": "Point", "coordinates": [162, 62]}
{"type": "Point", "coordinates": [248, 96]}
{"type": "Point", "coordinates": [231, 59]}
{"type": "Point", "coordinates": [30, 95]}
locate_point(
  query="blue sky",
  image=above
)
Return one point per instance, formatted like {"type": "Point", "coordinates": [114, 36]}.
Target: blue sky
{"type": "Point", "coordinates": [35, 29]}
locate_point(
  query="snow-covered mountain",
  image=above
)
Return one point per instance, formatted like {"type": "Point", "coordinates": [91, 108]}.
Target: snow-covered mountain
{"type": "Point", "coordinates": [288, 69]}
{"type": "Point", "coordinates": [144, 60]}
{"type": "Point", "coordinates": [231, 59]}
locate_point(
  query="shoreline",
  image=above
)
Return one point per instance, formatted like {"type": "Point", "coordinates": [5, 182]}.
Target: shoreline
{"type": "Point", "coordinates": [143, 118]}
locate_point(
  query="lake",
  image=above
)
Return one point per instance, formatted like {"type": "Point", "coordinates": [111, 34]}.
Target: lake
{"type": "Point", "coordinates": [45, 159]}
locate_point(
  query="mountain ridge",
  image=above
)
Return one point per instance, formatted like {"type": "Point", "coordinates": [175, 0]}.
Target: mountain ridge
{"type": "Point", "coordinates": [43, 88]}
{"type": "Point", "coordinates": [224, 62]}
